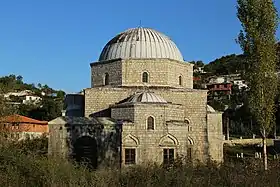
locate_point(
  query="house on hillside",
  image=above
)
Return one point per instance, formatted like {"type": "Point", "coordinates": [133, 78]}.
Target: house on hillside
{"type": "Point", "coordinates": [25, 97]}
{"type": "Point", "coordinates": [218, 88]}
{"type": "Point", "coordinates": [199, 70]}
{"type": "Point", "coordinates": [240, 84]}
{"type": "Point", "coordinates": [31, 99]}
{"type": "Point", "coordinates": [224, 83]}
{"type": "Point", "coordinates": [21, 127]}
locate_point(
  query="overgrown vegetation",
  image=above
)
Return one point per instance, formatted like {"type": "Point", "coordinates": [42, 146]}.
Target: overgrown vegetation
{"type": "Point", "coordinates": [18, 168]}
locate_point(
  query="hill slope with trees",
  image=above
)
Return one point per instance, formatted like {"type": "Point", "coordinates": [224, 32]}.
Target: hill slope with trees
{"type": "Point", "coordinates": [49, 107]}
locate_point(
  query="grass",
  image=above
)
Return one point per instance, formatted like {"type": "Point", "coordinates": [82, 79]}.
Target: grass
{"type": "Point", "coordinates": [22, 168]}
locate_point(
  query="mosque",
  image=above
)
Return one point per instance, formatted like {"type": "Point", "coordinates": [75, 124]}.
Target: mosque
{"type": "Point", "coordinates": [142, 103]}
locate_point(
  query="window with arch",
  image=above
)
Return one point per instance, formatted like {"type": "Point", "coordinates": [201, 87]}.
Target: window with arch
{"type": "Point", "coordinates": [150, 123]}
{"type": "Point", "coordinates": [180, 80]}
{"type": "Point", "coordinates": [190, 149]}
{"type": "Point", "coordinates": [145, 77]}
{"type": "Point", "coordinates": [106, 79]}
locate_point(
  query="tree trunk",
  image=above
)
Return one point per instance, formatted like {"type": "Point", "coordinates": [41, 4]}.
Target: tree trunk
{"type": "Point", "coordinates": [264, 151]}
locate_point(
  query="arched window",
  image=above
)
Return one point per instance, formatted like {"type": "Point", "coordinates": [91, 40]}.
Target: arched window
{"type": "Point", "coordinates": [151, 123]}
{"type": "Point", "coordinates": [180, 80]}
{"type": "Point", "coordinates": [145, 77]}
{"type": "Point", "coordinates": [106, 79]}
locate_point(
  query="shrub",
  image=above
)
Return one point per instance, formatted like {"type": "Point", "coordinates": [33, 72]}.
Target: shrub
{"type": "Point", "coordinates": [23, 168]}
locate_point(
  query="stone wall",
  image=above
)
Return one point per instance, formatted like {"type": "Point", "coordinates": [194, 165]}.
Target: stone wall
{"type": "Point", "coordinates": [245, 142]}
{"type": "Point", "coordinates": [162, 72]}
{"type": "Point", "coordinates": [66, 131]}
{"type": "Point", "coordinates": [174, 112]}
{"type": "Point", "coordinates": [192, 101]}
{"type": "Point", "coordinates": [193, 109]}
{"type": "Point", "coordinates": [123, 113]}
{"type": "Point", "coordinates": [194, 104]}
{"type": "Point", "coordinates": [176, 69]}
{"type": "Point", "coordinates": [152, 142]}
{"type": "Point", "coordinates": [98, 71]}
{"type": "Point", "coordinates": [215, 136]}
{"type": "Point", "coordinates": [156, 69]}
{"type": "Point", "coordinates": [101, 98]}
{"type": "Point", "coordinates": [57, 141]}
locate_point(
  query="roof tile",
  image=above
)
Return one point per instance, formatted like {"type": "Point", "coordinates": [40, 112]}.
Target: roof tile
{"type": "Point", "coordinates": [21, 119]}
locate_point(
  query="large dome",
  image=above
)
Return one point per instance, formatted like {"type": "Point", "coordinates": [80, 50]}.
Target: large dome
{"type": "Point", "coordinates": [140, 43]}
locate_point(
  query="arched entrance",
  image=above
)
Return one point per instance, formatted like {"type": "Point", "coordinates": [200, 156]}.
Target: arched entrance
{"type": "Point", "coordinates": [85, 150]}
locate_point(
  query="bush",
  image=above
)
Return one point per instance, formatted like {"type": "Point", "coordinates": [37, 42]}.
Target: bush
{"type": "Point", "coordinates": [21, 168]}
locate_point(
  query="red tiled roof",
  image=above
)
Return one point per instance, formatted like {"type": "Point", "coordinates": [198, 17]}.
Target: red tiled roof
{"type": "Point", "coordinates": [21, 119]}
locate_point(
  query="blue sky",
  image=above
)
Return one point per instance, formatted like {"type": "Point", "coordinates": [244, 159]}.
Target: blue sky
{"type": "Point", "coordinates": [53, 42]}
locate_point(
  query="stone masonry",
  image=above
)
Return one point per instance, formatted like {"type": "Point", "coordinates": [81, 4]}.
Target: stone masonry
{"type": "Point", "coordinates": [184, 120]}
{"type": "Point", "coordinates": [142, 82]}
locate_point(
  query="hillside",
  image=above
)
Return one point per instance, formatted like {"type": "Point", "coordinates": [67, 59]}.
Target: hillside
{"type": "Point", "coordinates": [39, 102]}
{"type": "Point", "coordinates": [232, 63]}
{"type": "Point", "coordinates": [226, 65]}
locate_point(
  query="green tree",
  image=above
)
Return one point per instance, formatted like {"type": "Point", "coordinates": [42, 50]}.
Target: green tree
{"type": "Point", "coordinates": [199, 63]}
{"type": "Point", "coordinates": [225, 65]}
{"type": "Point", "coordinates": [257, 39]}
{"type": "Point", "coordinates": [49, 109]}
{"type": "Point", "coordinates": [5, 109]}
{"type": "Point", "coordinates": [60, 94]}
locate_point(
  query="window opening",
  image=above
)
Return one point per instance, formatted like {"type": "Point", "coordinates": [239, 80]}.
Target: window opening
{"type": "Point", "coordinates": [130, 156]}
{"type": "Point", "coordinates": [106, 79]}
{"type": "Point", "coordinates": [145, 77]}
{"type": "Point", "coordinates": [168, 156]}
{"type": "Point", "coordinates": [151, 123]}
{"type": "Point", "coordinates": [180, 80]}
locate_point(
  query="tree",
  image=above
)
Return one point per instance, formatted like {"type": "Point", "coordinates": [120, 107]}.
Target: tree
{"type": "Point", "coordinates": [257, 39]}
{"type": "Point", "coordinates": [60, 94]}
{"type": "Point", "coordinates": [49, 109]}
{"type": "Point", "coordinates": [197, 64]}
{"type": "Point", "coordinates": [5, 109]}
{"type": "Point", "coordinates": [225, 65]}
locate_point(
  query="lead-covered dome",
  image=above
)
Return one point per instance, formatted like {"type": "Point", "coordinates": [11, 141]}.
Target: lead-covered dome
{"type": "Point", "coordinates": [146, 97]}
{"type": "Point", "coordinates": [140, 43]}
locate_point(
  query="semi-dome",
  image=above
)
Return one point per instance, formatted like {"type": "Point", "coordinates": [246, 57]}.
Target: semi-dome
{"type": "Point", "coordinates": [146, 97]}
{"type": "Point", "coordinates": [140, 43]}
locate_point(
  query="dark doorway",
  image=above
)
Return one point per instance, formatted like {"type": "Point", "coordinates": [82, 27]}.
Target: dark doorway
{"type": "Point", "coordinates": [85, 150]}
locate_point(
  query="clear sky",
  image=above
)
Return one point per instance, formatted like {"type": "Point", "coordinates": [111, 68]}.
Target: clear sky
{"type": "Point", "coordinates": [53, 42]}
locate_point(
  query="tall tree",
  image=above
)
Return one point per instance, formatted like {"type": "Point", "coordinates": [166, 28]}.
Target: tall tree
{"type": "Point", "coordinates": [259, 20]}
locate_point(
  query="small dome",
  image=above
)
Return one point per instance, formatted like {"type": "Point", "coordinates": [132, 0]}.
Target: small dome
{"type": "Point", "coordinates": [146, 97]}
{"type": "Point", "coordinates": [210, 109]}
{"type": "Point", "coordinates": [140, 43]}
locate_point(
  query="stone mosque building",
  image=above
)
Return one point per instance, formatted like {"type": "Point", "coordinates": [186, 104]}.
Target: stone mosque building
{"type": "Point", "coordinates": [141, 107]}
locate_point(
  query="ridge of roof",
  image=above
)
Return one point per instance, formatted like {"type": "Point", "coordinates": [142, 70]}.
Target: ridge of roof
{"type": "Point", "coordinates": [16, 118]}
